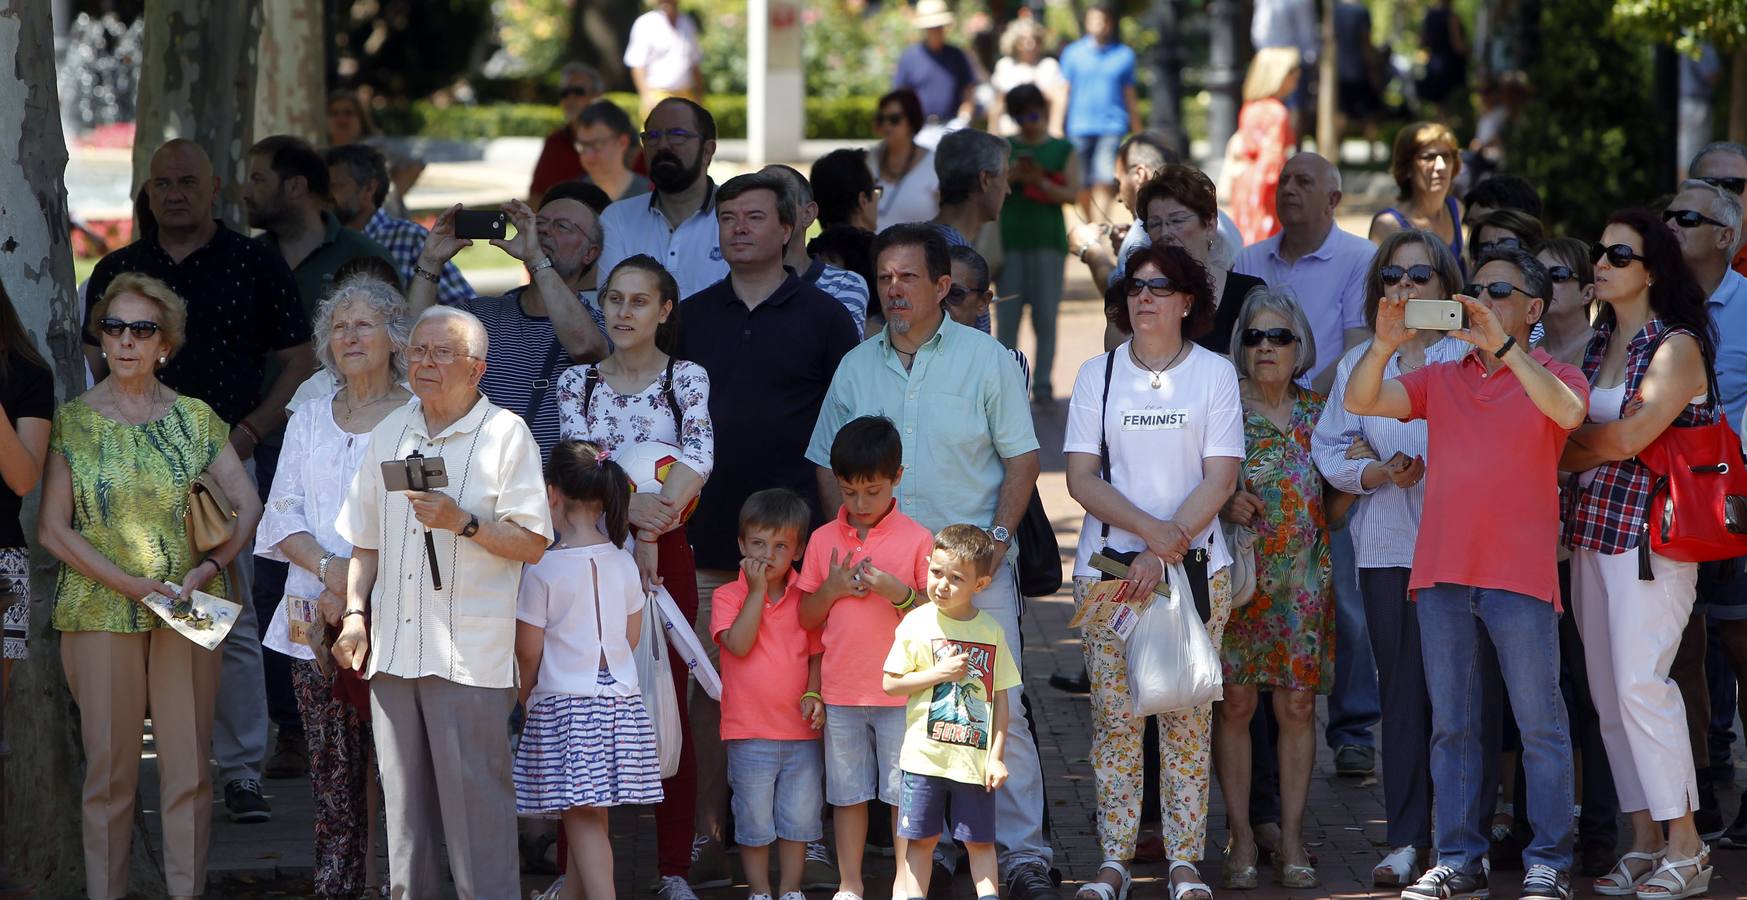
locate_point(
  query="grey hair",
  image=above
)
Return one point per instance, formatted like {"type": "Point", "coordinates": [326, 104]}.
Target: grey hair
{"type": "Point", "coordinates": [596, 84]}
{"type": "Point", "coordinates": [961, 159]}
{"type": "Point", "coordinates": [1725, 207]}
{"type": "Point", "coordinates": [477, 342]}
{"type": "Point", "coordinates": [963, 253]}
{"type": "Point", "coordinates": [379, 298]}
{"type": "Point", "coordinates": [1717, 147]}
{"type": "Point", "coordinates": [1278, 300]}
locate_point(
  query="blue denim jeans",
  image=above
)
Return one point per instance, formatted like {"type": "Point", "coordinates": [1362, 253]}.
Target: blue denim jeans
{"type": "Point", "coordinates": [1525, 633]}
{"type": "Point", "coordinates": [1355, 705]}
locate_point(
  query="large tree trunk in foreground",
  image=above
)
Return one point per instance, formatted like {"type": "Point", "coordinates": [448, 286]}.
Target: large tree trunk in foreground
{"type": "Point", "coordinates": [197, 81]}
{"type": "Point", "coordinates": [294, 68]}
{"type": "Point", "coordinates": [45, 768]}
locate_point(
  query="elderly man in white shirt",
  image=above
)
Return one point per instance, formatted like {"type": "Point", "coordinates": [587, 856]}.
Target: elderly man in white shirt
{"type": "Point", "coordinates": [442, 624]}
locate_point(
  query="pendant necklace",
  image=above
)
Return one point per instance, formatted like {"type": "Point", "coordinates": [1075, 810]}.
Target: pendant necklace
{"type": "Point", "coordinates": [1159, 374]}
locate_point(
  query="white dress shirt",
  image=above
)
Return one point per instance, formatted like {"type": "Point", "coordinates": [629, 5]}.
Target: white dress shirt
{"type": "Point", "coordinates": [464, 632]}
{"type": "Point", "coordinates": [665, 50]}
{"type": "Point", "coordinates": [692, 252]}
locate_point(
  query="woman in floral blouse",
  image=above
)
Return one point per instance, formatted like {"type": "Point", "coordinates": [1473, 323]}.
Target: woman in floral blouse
{"type": "Point", "coordinates": [1283, 641]}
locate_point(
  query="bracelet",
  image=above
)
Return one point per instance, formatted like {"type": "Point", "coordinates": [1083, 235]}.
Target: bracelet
{"type": "Point", "coordinates": [254, 435]}
{"type": "Point", "coordinates": [419, 271]}
{"type": "Point", "coordinates": [354, 612]}
{"type": "Point", "coordinates": [814, 695]}
{"type": "Point", "coordinates": [908, 601]}
{"type": "Point", "coordinates": [1081, 253]}
{"type": "Point", "coordinates": [321, 569]}
{"type": "Point", "coordinates": [217, 569]}
{"type": "Point", "coordinates": [1509, 342]}
{"type": "Point", "coordinates": [536, 267]}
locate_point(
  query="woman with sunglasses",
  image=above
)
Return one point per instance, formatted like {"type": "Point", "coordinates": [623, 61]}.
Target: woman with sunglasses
{"type": "Point", "coordinates": [1045, 175]}
{"type": "Point", "coordinates": [115, 497]}
{"type": "Point", "coordinates": [909, 187]}
{"type": "Point", "coordinates": [1653, 343]}
{"type": "Point", "coordinates": [1566, 328]}
{"type": "Point", "coordinates": [1151, 495]}
{"type": "Point", "coordinates": [1424, 165]}
{"type": "Point", "coordinates": [1283, 640]}
{"type": "Point", "coordinates": [1381, 460]}
{"type": "Point", "coordinates": [1180, 206]}
{"type": "Point", "coordinates": [1509, 229]}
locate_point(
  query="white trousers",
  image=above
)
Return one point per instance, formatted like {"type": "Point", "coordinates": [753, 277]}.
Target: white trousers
{"type": "Point", "coordinates": [1631, 630]}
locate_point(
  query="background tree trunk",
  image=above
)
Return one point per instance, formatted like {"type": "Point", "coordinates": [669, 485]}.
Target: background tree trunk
{"type": "Point", "coordinates": [197, 81]}
{"type": "Point", "coordinates": [36, 265]}
{"type": "Point", "coordinates": [1328, 118]}
{"type": "Point", "coordinates": [1738, 94]}
{"type": "Point", "coordinates": [294, 62]}
{"type": "Point", "coordinates": [597, 30]}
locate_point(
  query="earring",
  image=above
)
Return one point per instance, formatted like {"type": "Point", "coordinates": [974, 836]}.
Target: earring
{"type": "Point", "coordinates": [103, 354]}
{"type": "Point", "coordinates": [163, 359]}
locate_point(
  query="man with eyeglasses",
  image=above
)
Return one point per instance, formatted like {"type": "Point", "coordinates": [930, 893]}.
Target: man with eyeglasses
{"type": "Point", "coordinates": [540, 329]}
{"type": "Point", "coordinates": [430, 615]}
{"type": "Point", "coordinates": [676, 222]}
{"type": "Point", "coordinates": [1724, 164]}
{"type": "Point", "coordinates": [358, 185]}
{"type": "Point", "coordinates": [1497, 420]}
{"type": "Point", "coordinates": [579, 85]}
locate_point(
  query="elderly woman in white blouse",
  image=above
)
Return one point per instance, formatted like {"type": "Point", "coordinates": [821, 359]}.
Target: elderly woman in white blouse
{"type": "Point", "coordinates": [361, 333]}
{"type": "Point", "coordinates": [1382, 460]}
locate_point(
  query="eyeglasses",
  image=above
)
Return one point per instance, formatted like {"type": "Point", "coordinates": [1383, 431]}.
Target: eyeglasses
{"type": "Point", "coordinates": [1494, 246]}
{"type": "Point", "coordinates": [141, 330]}
{"type": "Point", "coordinates": [1279, 337]}
{"type": "Point", "coordinates": [575, 91]}
{"type": "Point", "coordinates": [361, 329]}
{"type": "Point", "coordinates": [958, 293]}
{"type": "Point", "coordinates": [596, 145]}
{"type": "Point", "coordinates": [1498, 290]}
{"type": "Point", "coordinates": [878, 191]}
{"type": "Point", "coordinates": [441, 356]}
{"type": "Point", "coordinates": [1689, 218]}
{"type": "Point", "coordinates": [1158, 286]}
{"type": "Point", "coordinates": [888, 118]}
{"type": "Point", "coordinates": [558, 226]}
{"type": "Point", "coordinates": [1419, 274]}
{"type": "Point", "coordinates": [1561, 274]}
{"type": "Point", "coordinates": [1030, 117]}
{"type": "Point", "coordinates": [674, 137]}
{"type": "Point", "coordinates": [1732, 185]}
{"type": "Point", "coordinates": [1618, 255]}
{"type": "Point", "coordinates": [1172, 223]}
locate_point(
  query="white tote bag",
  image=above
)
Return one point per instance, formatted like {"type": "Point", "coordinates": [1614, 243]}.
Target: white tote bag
{"type": "Point", "coordinates": [1172, 663]}
{"type": "Point", "coordinates": [655, 678]}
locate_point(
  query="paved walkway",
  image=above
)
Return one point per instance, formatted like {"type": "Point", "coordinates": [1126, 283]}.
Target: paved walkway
{"type": "Point", "coordinates": [1344, 823]}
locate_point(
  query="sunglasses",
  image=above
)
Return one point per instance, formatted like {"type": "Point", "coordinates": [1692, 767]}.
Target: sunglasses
{"type": "Point", "coordinates": [958, 293]}
{"type": "Point", "coordinates": [1509, 243]}
{"type": "Point", "coordinates": [1158, 286]}
{"type": "Point", "coordinates": [141, 330]}
{"type": "Point", "coordinates": [888, 119]}
{"type": "Point", "coordinates": [1561, 274]}
{"type": "Point", "coordinates": [1279, 337]}
{"type": "Point", "coordinates": [1392, 275]}
{"type": "Point", "coordinates": [1689, 218]}
{"type": "Point", "coordinates": [1732, 185]}
{"type": "Point", "coordinates": [574, 91]}
{"type": "Point", "coordinates": [1618, 255]}
{"type": "Point", "coordinates": [1030, 117]}
{"type": "Point", "coordinates": [1498, 290]}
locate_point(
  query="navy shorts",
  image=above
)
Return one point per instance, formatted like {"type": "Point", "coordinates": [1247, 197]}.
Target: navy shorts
{"type": "Point", "coordinates": [1722, 588]}
{"type": "Point", "coordinates": [926, 803]}
{"type": "Point", "coordinates": [1097, 157]}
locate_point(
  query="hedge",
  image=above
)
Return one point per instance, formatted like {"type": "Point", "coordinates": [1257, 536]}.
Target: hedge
{"type": "Point", "coordinates": [849, 118]}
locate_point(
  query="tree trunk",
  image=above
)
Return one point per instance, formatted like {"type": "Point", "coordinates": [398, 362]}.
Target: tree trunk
{"type": "Point", "coordinates": [597, 37]}
{"type": "Point", "coordinates": [294, 62]}
{"type": "Point", "coordinates": [1738, 95]}
{"type": "Point", "coordinates": [36, 265]}
{"type": "Point", "coordinates": [1328, 124]}
{"type": "Point", "coordinates": [197, 81]}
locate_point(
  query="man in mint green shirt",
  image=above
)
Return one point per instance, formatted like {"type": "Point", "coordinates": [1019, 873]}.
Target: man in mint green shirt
{"type": "Point", "coordinates": [958, 400]}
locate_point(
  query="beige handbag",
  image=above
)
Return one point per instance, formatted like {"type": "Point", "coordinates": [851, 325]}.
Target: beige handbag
{"type": "Point", "coordinates": [212, 517]}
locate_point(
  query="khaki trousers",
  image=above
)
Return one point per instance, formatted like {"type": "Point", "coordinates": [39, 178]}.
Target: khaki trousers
{"type": "Point", "coordinates": [116, 679]}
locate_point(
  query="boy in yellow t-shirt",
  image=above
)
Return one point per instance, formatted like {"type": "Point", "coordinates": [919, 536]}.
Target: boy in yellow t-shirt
{"type": "Point", "coordinates": [950, 660]}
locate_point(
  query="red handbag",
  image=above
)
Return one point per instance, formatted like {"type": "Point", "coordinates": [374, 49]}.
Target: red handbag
{"type": "Point", "coordinates": [1698, 499]}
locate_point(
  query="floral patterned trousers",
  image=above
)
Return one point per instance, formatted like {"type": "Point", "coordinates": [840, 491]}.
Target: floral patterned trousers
{"type": "Point", "coordinates": [1185, 740]}
{"type": "Point", "coordinates": [340, 769]}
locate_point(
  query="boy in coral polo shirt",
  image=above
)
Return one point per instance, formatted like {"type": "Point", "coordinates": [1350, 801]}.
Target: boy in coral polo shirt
{"type": "Point", "coordinates": [861, 573]}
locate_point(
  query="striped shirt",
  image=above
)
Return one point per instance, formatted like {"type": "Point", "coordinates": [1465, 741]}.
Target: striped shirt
{"type": "Point", "coordinates": [523, 359]}
{"type": "Point", "coordinates": [405, 240]}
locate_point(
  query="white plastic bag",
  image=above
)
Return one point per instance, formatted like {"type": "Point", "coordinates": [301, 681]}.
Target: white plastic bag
{"type": "Point", "coordinates": [655, 679]}
{"type": "Point", "coordinates": [1172, 663]}
{"type": "Point", "coordinates": [685, 642]}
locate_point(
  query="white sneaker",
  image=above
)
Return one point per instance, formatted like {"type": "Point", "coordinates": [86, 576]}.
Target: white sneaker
{"type": "Point", "coordinates": [553, 892]}
{"type": "Point", "coordinates": [673, 887]}
{"type": "Point", "coordinates": [760, 896]}
{"type": "Point", "coordinates": [840, 895]}
{"type": "Point", "coordinates": [1399, 869]}
{"type": "Point", "coordinates": [795, 895]}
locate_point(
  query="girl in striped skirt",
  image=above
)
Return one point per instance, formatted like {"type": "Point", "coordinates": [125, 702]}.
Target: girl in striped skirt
{"type": "Point", "coordinates": [588, 743]}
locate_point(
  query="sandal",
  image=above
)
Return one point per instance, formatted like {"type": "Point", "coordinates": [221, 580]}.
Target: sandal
{"type": "Point", "coordinates": [1675, 886]}
{"type": "Point", "coordinates": [1398, 869]}
{"type": "Point", "coordinates": [1098, 890]}
{"type": "Point", "coordinates": [1620, 882]}
{"type": "Point", "coordinates": [1239, 878]}
{"type": "Point", "coordinates": [1295, 876]}
{"type": "Point", "coordinates": [1182, 890]}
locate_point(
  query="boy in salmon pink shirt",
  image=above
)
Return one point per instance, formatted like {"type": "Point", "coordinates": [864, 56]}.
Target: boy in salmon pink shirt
{"type": "Point", "coordinates": [771, 708]}
{"type": "Point", "coordinates": [861, 574]}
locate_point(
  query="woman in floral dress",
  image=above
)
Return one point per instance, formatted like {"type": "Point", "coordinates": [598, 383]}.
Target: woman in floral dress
{"type": "Point", "coordinates": [1283, 641]}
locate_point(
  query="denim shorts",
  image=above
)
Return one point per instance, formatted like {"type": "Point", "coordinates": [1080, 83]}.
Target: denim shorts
{"type": "Point", "coordinates": [777, 793]}
{"type": "Point", "coordinates": [1722, 587]}
{"type": "Point", "coordinates": [1097, 154]}
{"type": "Point", "coordinates": [929, 802]}
{"type": "Point", "coordinates": [862, 743]}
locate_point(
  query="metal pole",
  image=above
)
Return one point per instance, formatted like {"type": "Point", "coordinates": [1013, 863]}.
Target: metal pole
{"type": "Point", "coordinates": [1167, 59]}
{"type": "Point", "coordinates": [1222, 75]}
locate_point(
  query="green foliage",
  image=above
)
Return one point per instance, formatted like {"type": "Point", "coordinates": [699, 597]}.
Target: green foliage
{"type": "Point", "coordinates": [1686, 23]}
{"type": "Point", "coordinates": [1587, 137]}
{"type": "Point", "coordinates": [534, 32]}
{"type": "Point", "coordinates": [849, 118]}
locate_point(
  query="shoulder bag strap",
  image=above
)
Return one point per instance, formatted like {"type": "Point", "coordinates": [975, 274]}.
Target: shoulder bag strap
{"type": "Point", "coordinates": [1104, 439]}
{"type": "Point", "coordinates": [591, 377]}
{"type": "Point", "coordinates": [543, 385]}
{"type": "Point", "coordinates": [673, 403]}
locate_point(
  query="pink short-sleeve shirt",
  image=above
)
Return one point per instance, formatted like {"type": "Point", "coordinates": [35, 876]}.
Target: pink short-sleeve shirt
{"type": "Point", "coordinates": [859, 630]}
{"type": "Point", "coordinates": [761, 691]}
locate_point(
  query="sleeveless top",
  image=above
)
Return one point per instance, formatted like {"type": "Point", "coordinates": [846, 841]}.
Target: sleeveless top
{"type": "Point", "coordinates": [1455, 228]}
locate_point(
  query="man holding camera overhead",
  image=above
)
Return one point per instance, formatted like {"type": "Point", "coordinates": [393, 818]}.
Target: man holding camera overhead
{"type": "Point", "coordinates": [1497, 420]}
{"type": "Point", "coordinates": [431, 609]}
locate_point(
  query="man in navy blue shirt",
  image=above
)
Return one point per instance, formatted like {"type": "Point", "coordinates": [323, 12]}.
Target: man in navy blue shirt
{"type": "Point", "coordinates": [941, 74]}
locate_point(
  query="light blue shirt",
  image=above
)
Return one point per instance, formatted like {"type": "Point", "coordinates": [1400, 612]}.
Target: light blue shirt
{"type": "Point", "coordinates": [1385, 521]}
{"type": "Point", "coordinates": [961, 410]}
{"type": "Point", "coordinates": [1097, 74]}
{"type": "Point", "coordinates": [692, 252]}
{"type": "Point", "coordinates": [1329, 283]}
{"type": "Point", "coordinates": [1728, 309]}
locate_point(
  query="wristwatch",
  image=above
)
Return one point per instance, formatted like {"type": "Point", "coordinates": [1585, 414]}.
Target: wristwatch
{"type": "Point", "coordinates": [1000, 533]}
{"type": "Point", "coordinates": [472, 527]}
{"type": "Point", "coordinates": [545, 262]}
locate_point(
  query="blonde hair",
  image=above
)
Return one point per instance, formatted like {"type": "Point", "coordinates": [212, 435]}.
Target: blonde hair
{"type": "Point", "coordinates": [1019, 29]}
{"type": "Point", "coordinates": [172, 311]}
{"type": "Point", "coordinates": [1268, 72]}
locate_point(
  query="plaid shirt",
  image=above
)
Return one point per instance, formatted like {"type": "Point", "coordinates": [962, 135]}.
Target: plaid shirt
{"type": "Point", "coordinates": [404, 240]}
{"type": "Point", "coordinates": [1608, 515]}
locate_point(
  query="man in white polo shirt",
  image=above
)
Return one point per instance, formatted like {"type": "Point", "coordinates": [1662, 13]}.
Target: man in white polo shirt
{"type": "Point", "coordinates": [676, 222]}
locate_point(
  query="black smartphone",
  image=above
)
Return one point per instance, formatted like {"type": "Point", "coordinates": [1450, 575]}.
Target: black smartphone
{"type": "Point", "coordinates": [415, 473]}
{"type": "Point", "coordinates": [481, 224]}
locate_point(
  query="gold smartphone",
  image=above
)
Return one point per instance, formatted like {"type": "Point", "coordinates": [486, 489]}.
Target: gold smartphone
{"type": "Point", "coordinates": [1436, 315]}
